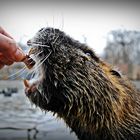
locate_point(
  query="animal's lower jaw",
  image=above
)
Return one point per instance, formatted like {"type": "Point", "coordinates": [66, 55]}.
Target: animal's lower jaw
{"type": "Point", "coordinates": [31, 88]}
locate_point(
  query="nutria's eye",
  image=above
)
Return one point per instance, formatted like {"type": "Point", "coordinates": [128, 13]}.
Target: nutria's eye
{"type": "Point", "coordinates": [29, 43]}
{"type": "Point", "coordinates": [37, 44]}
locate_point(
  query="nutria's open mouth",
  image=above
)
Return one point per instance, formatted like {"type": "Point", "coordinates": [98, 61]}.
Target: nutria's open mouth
{"type": "Point", "coordinates": [32, 85]}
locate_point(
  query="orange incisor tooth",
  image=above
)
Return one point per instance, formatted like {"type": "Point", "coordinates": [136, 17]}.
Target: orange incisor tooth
{"type": "Point", "coordinates": [26, 83]}
{"type": "Point", "coordinates": [29, 62]}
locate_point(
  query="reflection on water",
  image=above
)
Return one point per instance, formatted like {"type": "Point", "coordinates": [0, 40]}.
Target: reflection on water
{"type": "Point", "coordinates": [19, 120]}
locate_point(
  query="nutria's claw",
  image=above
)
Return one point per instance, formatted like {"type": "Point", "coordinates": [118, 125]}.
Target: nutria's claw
{"type": "Point", "coordinates": [30, 88]}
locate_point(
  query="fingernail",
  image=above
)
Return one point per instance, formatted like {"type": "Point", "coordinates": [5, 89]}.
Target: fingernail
{"type": "Point", "coordinates": [19, 55]}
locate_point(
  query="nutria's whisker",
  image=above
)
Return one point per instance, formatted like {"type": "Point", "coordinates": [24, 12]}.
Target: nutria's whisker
{"type": "Point", "coordinates": [43, 60]}
{"type": "Point", "coordinates": [32, 72]}
{"type": "Point", "coordinates": [21, 71]}
{"type": "Point", "coordinates": [18, 73]}
{"type": "Point", "coordinates": [31, 63]}
{"type": "Point", "coordinates": [28, 73]}
{"type": "Point", "coordinates": [38, 53]}
{"type": "Point", "coordinates": [38, 45]}
{"type": "Point", "coordinates": [38, 64]}
{"type": "Point", "coordinates": [55, 39]}
{"type": "Point", "coordinates": [35, 55]}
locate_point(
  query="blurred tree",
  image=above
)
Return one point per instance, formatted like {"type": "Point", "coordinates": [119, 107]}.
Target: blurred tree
{"type": "Point", "coordinates": [123, 47]}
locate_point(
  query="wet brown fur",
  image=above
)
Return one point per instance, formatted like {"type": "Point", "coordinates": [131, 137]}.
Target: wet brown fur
{"type": "Point", "coordinates": [81, 88]}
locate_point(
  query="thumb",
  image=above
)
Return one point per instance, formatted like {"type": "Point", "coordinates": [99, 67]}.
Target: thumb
{"type": "Point", "coordinates": [19, 55]}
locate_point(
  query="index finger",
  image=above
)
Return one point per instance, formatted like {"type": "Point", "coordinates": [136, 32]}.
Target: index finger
{"type": "Point", "coordinates": [2, 31]}
{"type": "Point", "coordinates": [7, 44]}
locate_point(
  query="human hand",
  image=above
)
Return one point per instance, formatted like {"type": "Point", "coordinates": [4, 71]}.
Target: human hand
{"type": "Point", "coordinates": [10, 52]}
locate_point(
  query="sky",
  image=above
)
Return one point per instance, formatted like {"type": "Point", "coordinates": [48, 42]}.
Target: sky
{"type": "Point", "coordinates": [87, 21]}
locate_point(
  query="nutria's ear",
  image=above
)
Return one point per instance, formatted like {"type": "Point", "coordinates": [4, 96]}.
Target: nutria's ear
{"type": "Point", "coordinates": [116, 73]}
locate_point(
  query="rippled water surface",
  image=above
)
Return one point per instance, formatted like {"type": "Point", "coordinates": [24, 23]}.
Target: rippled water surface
{"type": "Point", "coordinates": [19, 120]}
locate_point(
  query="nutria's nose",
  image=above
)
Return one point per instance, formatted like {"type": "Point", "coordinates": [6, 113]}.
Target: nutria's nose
{"type": "Point", "coordinates": [29, 42]}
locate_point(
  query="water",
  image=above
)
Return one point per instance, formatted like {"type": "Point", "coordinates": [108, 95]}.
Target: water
{"type": "Point", "coordinates": [19, 120]}
{"type": "Point", "coordinates": [137, 84]}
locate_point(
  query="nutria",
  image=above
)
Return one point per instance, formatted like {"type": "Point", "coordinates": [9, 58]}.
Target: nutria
{"type": "Point", "coordinates": [95, 101]}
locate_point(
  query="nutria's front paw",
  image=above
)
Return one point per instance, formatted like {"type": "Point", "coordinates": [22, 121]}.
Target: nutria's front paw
{"type": "Point", "coordinates": [35, 95]}
{"type": "Point", "coordinates": [29, 88]}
